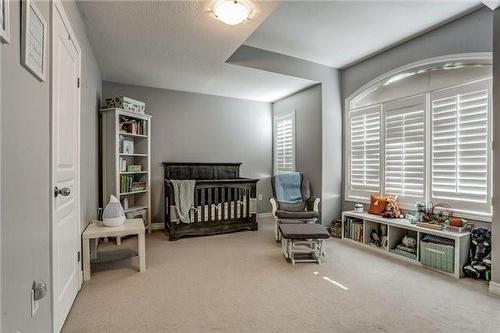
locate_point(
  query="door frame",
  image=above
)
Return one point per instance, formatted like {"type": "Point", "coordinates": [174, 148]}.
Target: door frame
{"type": "Point", "coordinates": [57, 8]}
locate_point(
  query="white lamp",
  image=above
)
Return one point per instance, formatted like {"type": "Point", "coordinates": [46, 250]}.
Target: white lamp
{"type": "Point", "coordinates": [232, 12]}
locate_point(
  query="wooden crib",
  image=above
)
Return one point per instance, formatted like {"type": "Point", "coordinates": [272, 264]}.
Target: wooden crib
{"type": "Point", "coordinates": [223, 201]}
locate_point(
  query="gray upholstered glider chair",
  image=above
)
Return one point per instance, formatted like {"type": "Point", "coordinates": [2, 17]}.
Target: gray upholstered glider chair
{"type": "Point", "coordinates": [306, 211]}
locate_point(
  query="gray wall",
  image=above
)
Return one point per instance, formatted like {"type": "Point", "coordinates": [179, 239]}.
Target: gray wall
{"type": "Point", "coordinates": [331, 115]}
{"type": "Point", "coordinates": [190, 127]}
{"type": "Point", "coordinates": [307, 106]}
{"type": "Point", "coordinates": [25, 146]}
{"type": "Point", "coordinates": [469, 34]}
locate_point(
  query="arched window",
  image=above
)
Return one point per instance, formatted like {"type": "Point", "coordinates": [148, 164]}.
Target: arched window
{"type": "Point", "coordinates": [424, 133]}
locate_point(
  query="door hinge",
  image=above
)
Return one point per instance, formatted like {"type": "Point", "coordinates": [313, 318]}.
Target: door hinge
{"type": "Point", "coordinates": [78, 82]}
{"type": "Point", "coordinates": [78, 256]}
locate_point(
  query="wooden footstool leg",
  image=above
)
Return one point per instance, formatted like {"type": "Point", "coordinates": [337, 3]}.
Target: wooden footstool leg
{"type": "Point", "coordinates": [142, 252]}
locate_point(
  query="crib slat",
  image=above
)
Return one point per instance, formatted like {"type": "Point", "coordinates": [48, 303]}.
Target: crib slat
{"type": "Point", "coordinates": [247, 191]}
{"type": "Point", "coordinates": [202, 213]}
{"type": "Point", "coordinates": [209, 203]}
{"type": "Point", "coordinates": [230, 203]}
{"type": "Point", "coordinates": [216, 203]}
{"type": "Point", "coordinates": [195, 212]}
{"type": "Point", "coordinates": [240, 208]}
{"type": "Point", "coordinates": [223, 203]}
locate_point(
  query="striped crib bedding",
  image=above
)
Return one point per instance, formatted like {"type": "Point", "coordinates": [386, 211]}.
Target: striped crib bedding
{"type": "Point", "coordinates": [238, 210]}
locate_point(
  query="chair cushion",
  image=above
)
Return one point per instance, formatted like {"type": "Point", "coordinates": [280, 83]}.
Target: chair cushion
{"type": "Point", "coordinates": [303, 231]}
{"type": "Point", "coordinates": [292, 207]}
{"type": "Point", "coordinates": [283, 214]}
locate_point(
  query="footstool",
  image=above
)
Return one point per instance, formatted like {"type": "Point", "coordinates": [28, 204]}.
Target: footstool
{"type": "Point", "coordinates": [304, 240]}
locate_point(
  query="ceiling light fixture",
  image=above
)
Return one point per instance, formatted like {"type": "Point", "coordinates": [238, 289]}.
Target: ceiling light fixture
{"type": "Point", "coordinates": [232, 12]}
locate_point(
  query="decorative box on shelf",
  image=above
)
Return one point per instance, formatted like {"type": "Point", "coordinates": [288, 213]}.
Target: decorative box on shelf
{"type": "Point", "coordinates": [134, 168]}
{"type": "Point", "coordinates": [125, 103]}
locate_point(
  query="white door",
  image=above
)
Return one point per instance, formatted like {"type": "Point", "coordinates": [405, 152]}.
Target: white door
{"type": "Point", "coordinates": [66, 271]}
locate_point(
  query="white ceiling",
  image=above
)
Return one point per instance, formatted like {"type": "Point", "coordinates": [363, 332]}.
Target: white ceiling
{"type": "Point", "coordinates": [179, 45]}
{"type": "Point", "coordinates": [337, 33]}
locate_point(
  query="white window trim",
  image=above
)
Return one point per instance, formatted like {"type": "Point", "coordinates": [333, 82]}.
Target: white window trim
{"type": "Point", "coordinates": [355, 197]}
{"type": "Point", "coordinates": [276, 118]}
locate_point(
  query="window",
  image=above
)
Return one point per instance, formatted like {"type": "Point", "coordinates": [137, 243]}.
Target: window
{"type": "Point", "coordinates": [461, 147]}
{"type": "Point", "coordinates": [404, 148]}
{"type": "Point", "coordinates": [284, 142]}
{"type": "Point", "coordinates": [364, 151]}
{"type": "Point", "coordinates": [432, 147]}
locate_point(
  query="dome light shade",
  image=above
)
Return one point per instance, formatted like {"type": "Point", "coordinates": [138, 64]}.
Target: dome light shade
{"type": "Point", "coordinates": [231, 12]}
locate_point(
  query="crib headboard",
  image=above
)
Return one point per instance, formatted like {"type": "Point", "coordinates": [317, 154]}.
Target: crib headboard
{"type": "Point", "coordinates": [201, 171]}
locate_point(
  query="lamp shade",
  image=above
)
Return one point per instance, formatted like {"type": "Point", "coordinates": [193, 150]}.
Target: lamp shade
{"type": "Point", "coordinates": [231, 12]}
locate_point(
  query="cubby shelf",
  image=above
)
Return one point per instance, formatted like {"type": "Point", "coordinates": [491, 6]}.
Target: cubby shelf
{"type": "Point", "coordinates": [397, 228]}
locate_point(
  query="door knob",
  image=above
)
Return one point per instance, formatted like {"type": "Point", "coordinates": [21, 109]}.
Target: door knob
{"type": "Point", "coordinates": [61, 191]}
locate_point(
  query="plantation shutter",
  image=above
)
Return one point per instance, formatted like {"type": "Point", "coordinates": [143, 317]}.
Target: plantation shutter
{"type": "Point", "coordinates": [284, 138]}
{"type": "Point", "coordinates": [364, 154]}
{"type": "Point", "coordinates": [405, 148]}
{"type": "Point", "coordinates": [461, 147]}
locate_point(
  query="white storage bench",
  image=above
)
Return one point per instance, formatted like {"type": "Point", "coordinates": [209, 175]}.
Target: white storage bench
{"type": "Point", "coordinates": [396, 229]}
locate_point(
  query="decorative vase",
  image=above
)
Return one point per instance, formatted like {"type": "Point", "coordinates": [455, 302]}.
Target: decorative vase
{"type": "Point", "coordinates": [113, 215]}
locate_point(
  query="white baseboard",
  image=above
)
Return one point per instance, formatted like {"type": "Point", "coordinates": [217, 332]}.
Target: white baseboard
{"type": "Point", "coordinates": [157, 225]}
{"type": "Point", "coordinates": [264, 215]}
{"type": "Point", "coordinates": [494, 288]}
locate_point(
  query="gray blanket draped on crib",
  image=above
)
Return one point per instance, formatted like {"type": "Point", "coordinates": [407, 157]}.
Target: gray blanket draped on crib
{"type": "Point", "coordinates": [184, 198]}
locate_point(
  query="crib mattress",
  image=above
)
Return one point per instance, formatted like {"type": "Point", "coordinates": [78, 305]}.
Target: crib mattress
{"type": "Point", "coordinates": [217, 209]}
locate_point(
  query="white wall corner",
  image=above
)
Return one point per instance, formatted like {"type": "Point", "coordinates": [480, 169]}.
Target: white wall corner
{"type": "Point", "coordinates": [492, 4]}
{"type": "Point", "coordinates": [494, 288]}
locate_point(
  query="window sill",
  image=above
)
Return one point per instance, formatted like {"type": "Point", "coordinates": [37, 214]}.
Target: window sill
{"type": "Point", "coordinates": [411, 207]}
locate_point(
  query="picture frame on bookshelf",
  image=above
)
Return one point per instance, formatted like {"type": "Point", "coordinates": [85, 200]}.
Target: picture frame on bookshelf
{"type": "Point", "coordinates": [127, 146]}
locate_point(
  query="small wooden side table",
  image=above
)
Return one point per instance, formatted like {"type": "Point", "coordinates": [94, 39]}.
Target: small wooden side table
{"type": "Point", "coordinates": [130, 227]}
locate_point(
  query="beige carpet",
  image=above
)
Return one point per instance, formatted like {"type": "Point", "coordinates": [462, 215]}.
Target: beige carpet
{"type": "Point", "coordinates": [240, 282]}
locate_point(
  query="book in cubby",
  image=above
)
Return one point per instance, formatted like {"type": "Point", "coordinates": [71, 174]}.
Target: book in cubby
{"type": "Point", "coordinates": [353, 229]}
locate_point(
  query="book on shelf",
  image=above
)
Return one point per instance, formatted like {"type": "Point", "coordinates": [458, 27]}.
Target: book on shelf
{"type": "Point", "coordinates": [127, 184]}
{"type": "Point", "coordinates": [123, 165]}
{"type": "Point", "coordinates": [353, 229]}
{"type": "Point", "coordinates": [133, 126]}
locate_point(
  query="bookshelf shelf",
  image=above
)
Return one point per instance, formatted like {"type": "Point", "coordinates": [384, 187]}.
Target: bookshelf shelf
{"type": "Point", "coordinates": [126, 141]}
{"type": "Point", "coordinates": [133, 172]}
{"type": "Point", "coordinates": [133, 209]}
{"type": "Point", "coordinates": [133, 192]}
{"type": "Point", "coordinates": [138, 155]}
{"type": "Point", "coordinates": [144, 136]}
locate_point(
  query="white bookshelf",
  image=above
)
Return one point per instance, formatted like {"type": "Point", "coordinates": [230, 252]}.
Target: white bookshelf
{"type": "Point", "coordinates": [397, 228]}
{"type": "Point", "coordinates": [112, 155]}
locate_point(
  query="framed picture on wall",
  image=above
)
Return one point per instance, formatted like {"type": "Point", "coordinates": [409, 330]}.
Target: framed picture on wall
{"type": "Point", "coordinates": [34, 36]}
{"type": "Point", "coordinates": [4, 21]}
